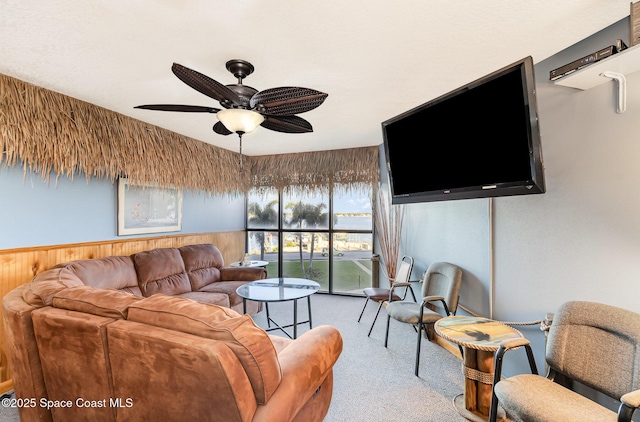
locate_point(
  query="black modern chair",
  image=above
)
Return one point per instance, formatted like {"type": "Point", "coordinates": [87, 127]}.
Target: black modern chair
{"type": "Point", "coordinates": [440, 293]}
{"type": "Point", "coordinates": [382, 295]}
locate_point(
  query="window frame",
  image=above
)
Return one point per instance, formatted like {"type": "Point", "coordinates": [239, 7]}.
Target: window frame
{"type": "Point", "coordinates": [330, 231]}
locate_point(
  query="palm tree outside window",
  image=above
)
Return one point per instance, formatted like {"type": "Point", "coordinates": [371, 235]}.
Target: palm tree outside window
{"type": "Point", "coordinates": [294, 232]}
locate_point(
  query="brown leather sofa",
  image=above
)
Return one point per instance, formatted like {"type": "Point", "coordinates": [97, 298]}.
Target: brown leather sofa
{"type": "Point", "coordinates": [195, 272]}
{"type": "Point", "coordinates": [87, 343]}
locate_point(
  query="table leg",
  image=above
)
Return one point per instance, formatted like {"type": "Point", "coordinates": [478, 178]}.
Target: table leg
{"type": "Point", "coordinates": [244, 305]}
{"type": "Point", "coordinates": [266, 305]}
{"type": "Point", "coordinates": [309, 307]}
{"type": "Point", "coordinates": [475, 403]}
{"type": "Point", "coordinates": [295, 318]}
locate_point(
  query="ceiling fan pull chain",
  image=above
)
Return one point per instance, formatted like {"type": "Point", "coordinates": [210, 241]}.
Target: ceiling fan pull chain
{"type": "Point", "coordinates": [240, 135]}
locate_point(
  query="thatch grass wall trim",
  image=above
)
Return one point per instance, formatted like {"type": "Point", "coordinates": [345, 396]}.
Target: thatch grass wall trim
{"type": "Point", "coordinates": [313, 171]}
{"type": "Point", "coordinates": [50, 133]}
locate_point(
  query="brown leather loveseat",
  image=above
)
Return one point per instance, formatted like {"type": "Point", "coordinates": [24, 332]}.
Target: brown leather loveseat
{"type": "Point", "coordinates": [87, 343]}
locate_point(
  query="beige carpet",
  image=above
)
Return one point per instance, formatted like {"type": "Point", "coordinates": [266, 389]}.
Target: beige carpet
{"type": "Point", "coordinates": [8, 413]}
{"type": "Point", "coordinates": [374, 383]}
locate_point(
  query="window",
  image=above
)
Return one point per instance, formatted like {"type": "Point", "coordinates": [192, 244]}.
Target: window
{"type": "Point", "coordinates": [323, 237]}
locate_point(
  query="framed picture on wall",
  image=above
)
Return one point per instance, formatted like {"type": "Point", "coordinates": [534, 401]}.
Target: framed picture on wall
{"type": "Point", "coordinates": [148, 209]}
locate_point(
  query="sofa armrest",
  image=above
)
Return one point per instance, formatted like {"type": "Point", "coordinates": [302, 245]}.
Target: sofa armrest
{"type": "Point", "coordinates": [242, 274]}
{"type": "Point", "coordinates": [305, 364]}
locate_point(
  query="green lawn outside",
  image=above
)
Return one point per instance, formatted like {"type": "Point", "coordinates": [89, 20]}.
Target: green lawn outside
{"type": "Point", "coordinates": [348, 275]}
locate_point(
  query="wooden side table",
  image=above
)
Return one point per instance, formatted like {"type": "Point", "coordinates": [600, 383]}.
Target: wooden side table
{"type": "Point", "coordinates": [480, 338]}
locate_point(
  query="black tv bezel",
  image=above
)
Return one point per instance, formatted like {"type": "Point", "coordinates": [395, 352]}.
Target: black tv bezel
{"type": "Point", "coordinates": [535, 185]}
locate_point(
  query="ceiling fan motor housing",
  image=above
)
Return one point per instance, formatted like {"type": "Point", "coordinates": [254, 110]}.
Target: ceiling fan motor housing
{"type": "Point", "coordinates": [245, 93]}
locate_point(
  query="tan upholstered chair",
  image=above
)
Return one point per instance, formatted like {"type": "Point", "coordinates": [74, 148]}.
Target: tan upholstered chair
{"type": "Point", "coordinates": [594, 344]}
{"type": "Point", "coordinates": [440, 293]}
{"type": "Point", "coordinates": [382, 295]}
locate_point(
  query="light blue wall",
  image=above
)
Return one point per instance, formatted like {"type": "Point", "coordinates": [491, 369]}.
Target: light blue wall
{"type": "Point", "coordinates": [35, 213]}
{"type": "Point", "coordinates": [453, 231]}
{"type": "Point", "coordinates": [578, 241]}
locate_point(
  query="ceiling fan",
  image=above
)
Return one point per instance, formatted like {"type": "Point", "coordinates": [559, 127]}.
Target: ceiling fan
{"type": "Point", "coordinates": [244, 107]}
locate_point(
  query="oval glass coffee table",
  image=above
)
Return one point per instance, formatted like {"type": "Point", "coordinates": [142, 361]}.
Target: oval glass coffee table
{"type": "Point", "coordinates": [281, 289]}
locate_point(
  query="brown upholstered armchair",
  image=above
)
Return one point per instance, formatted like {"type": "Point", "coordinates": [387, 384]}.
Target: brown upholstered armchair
{"type": "Point", "coordinates": [594, 344]}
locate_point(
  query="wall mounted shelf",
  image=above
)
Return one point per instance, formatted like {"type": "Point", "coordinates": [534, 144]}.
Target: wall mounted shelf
{"type": "Point", "coordinates": [614, 67]}
{"type": "Point", "coordinates": [624, 62]}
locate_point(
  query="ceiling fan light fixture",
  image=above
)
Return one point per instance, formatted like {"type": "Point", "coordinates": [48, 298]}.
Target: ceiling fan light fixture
{"type": "Point", "coordinates": [244, 107]}
{"type": "Point", "coordinates": [240, 120]}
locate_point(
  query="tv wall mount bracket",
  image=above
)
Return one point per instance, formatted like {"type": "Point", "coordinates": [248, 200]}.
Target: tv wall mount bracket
{"type": "Point", "coordinates": [622, 89]}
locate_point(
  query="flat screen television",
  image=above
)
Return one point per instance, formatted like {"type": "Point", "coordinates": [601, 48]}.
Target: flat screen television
{"type": "Point", "coordinates": [480, 140]}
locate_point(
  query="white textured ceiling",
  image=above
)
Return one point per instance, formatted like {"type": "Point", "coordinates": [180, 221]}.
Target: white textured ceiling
{"type": "Point", "coordinates": [374, 58]}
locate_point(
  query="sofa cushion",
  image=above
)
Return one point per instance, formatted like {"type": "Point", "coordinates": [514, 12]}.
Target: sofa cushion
{"type": "Point", "coordinates": [161, 310]}
{"type": "Point", "coordinates": [251, 344]}
{"type": "Point", "coordinates": [40, 291]}
{"type": "Point", "coordinates": [219, 299]}
{"type": "Point", "coordinates": [161, 271]}
{"type": "Point", "coordinates": [73, 350]}
{"type": "Point", "coordinates": [113, 272]}
{"type": "Point", "coordinates": [174, 376]}
{"type": "Point", "coordinates": [227, 288]}
{"type": "Point", "coordinates": [202, 264]}
{"type": "Point", "coordinates": [107, 303]}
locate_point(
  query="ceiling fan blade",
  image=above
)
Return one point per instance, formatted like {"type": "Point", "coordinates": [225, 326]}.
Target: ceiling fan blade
{"type": "Point", "coordinates": [179, 107]}
{"type": "Point", "coordinates": [286, 101]}
{"type": "Point", "coordinates": [287, 124]}
{"type": "Point", "coordinates": [221, 129]}
{"type": "Point", "coordinates": [205, 84]}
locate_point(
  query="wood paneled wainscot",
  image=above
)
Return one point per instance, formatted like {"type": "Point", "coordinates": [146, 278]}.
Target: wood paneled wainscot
{"type": "Point", "coordinates": [19, 266]}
